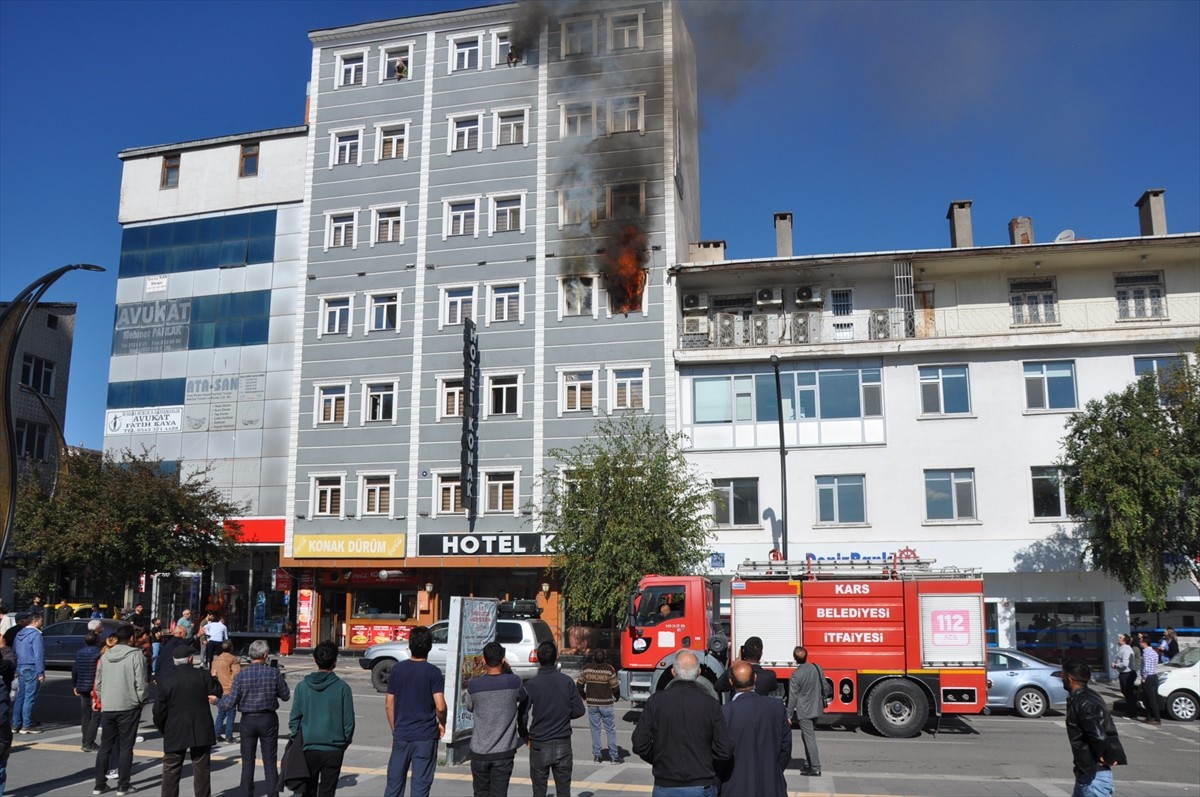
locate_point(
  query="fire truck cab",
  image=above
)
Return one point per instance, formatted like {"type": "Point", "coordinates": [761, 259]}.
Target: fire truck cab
{"type": "Point", "coordinates": [896, 639]}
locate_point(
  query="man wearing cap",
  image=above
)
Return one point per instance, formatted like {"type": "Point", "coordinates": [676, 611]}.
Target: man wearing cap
{"type": "Point", "coordinates": [181, 716]}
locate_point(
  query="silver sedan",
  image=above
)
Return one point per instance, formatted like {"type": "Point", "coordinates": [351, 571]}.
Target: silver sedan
{"type": "Point", "coordinates": [1023, 683]}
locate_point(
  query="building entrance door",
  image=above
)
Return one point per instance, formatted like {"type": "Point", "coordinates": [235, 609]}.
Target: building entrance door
{"type": "Point", "coordinates": [333, 616]}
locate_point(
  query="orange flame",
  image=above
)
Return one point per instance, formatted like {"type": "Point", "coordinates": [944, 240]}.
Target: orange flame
{"type": "Point", "coordinates": [625, 271]}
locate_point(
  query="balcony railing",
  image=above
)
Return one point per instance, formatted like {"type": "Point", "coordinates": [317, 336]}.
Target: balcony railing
{"type": "Point", "coordinates": [800, 327]}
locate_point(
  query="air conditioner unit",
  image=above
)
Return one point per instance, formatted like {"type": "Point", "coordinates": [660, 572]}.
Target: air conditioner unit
{"type": "Point", "coordinates": [798, 328]}
{"type": "Point", "coordinates": [765, 297]}
{"type": "Point", "coordinates": [726, 329]}
{"type": "Point", "coordinates": [880, 327]}
{"type": "Point", "coordinates": [695, 325]}
{"type": "Point", "coordinates": [762, 330]}
{"type": "Point", "coordinates": [695, 301]}
{"type": "Point", "coordinates": [809, 294]}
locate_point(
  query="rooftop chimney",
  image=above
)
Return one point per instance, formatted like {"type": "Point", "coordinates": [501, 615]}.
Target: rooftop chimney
{"type": "Point", "coordinates": [1020, 231]}
{"type": "Point", "coordinates": [783, 234]}
{"type": "Point", "coordinates": [706, 252]}
{"type": "Point", "coordinates": [1152, 212]}
{"type": "Point", "coordinates": [959, 215]}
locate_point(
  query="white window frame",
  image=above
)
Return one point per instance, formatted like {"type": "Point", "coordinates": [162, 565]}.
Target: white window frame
{"type": "Point", "coordinates": [385, 50]}
{"type": "Point", "coordinates": [563, 107]}
{"type": "Point", "coordinates": [372, 302]}
{"type": "Point", "coordinates": [444, 382]}
{"type": "Point", "coordinates": [394, 385]}
{"type": "Point", "coordinates": [564, 51]}
{"type": "Point", "coordinates": [333, 145]}
{"type": "Point", "coordinates": [452, 121]}
{"type": "Point", "coordinates": [641, 29]}
{"type": "Point", "coordinates": [578, 193]}
{"type": "Point", "coordinates": [1060, 477]}
{"type": "Point", "coordinates": [447, 221]}
{"type": "Point", "coordinates": [438, 477]}
{"type": "Point", "coordinates": [360, 508]}
{"type": "Point", "coordinates": [605, 213]}
{"type": "Point", "coordinates": [340, 58]}
{"type": "Point", "coordinates": [611, 385]}
{"type": "Point", "coordinates": [491, 288]}
{"type": "Point", "coordinates": [564, 389]}
{"type": "Point", "coordinates": [499, 112]}
{"type": "Point", "coordinates": [1043, 380]}
{"type": "Point", "coordinates": [494, 35]}
{"type": "Point", "coordinates": [485, 476]}
{"type": "Point", "coordinates": [494, 199]}
{"type": "Point", "coordinates": [381, 129]}
{"type": "Point", "coordinates": [445, 300]}
{"type": "Point", "coordinates": [562, 296]}
{"type": "Point", "coordinates": [319, 401]}
{"type": "Point", "coordinates": [313, 500]}
{"type": "Point", "coordinates": [610, 114]}
{"type": "Point", "coordinates": [724, 489]}
{"type": "Point", "coordinates": [835, 489]}
{"type": "Point", "coordinates": [330, 215]}
{"type": "Point", "coordinates": [452, 43]}
{"type": "Point", "coordinates": [323, 328]}
{"type": "Point", "coordinates": [940, 381]}
{"type": "Point", "coordinates": [955, 480]}
{"type": "Point", "coordinates": [402, 207]}
{"type": "Point", "coordinates": [486, 381]}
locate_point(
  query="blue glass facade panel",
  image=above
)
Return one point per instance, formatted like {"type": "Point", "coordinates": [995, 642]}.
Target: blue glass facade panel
{"type": "Point", "coordinates": [237, 240]}
{"type": "Point", "coordinates": [146, 393]}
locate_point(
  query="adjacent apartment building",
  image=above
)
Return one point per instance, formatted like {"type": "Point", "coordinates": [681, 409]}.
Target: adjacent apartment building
{"type": "Point", "coordinates": [924, 396]}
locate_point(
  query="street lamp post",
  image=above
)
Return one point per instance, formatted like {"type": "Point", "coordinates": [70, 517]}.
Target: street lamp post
{"type": "Point", "coordinates": [783, 542]}
{"type": "Point", "coordinates": [12, 321]}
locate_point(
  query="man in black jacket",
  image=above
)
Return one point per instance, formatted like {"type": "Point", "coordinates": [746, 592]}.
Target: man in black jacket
{"type": "Point", "coordinates": [181, 714]}
{"type": "Point", "coordinates": [765, 680]}
{"type": "Point", "coordinates": [682, 732]}
{"type": "Point", "coordinates": [1095, 746]}
{"type": "Point", "coordinates": [544, 722]}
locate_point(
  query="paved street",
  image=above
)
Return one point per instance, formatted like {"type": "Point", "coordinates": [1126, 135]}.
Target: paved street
{"type": "Point", "coordinates": [985, 756]}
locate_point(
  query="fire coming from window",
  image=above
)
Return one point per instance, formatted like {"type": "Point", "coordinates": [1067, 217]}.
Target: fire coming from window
{"type": "Point", "coordinates": [625, 268]}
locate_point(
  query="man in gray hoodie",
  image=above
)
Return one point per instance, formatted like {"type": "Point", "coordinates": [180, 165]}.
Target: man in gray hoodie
{"type": "Point", "coordinates": [121, 685]}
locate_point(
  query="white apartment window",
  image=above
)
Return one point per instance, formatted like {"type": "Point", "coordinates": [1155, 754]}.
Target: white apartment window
{"type": "Point", "coordinates": [465, 132]}
{"type": "Point", "coordinates": [331, 404]}
{"type": "Point", "coordinates": [346, 147]}
{"type": "Point", "coordinates": [504, 394]}
{"type": "Point", "coordinates": [449, 494]}
{"type": "Point", "coordinates": [578, 36]}
{"type": "Point", "coordinates": [501, 41]}
{"type": "Point", "coordinates": [379, 401]}
{"type": "Point", "coordinates": [1049, 493]}
{"type": "Point", "coordinates": [1033, 301]}
{"type": "Point", "coordinates": [395, 62]}
{"type": "Point", "coordinates": [341, 230]}
{"type": "Point", "coordinates": [626, 115]}
{"type": "Point", "coordinates": [627, 389]}
{"type": "Point", "coordinates": [950, 494]}
{"type": "Point", "coordinates": [578, 120]}
{"type": "Point", "coordinates": [1140, 295]}
{"type": "Point", "coordinates": [450, 398]}
{"type": "Point", "coordinates": [376, 495]}
{"type": "Point", "coordinates": [37, 374]}
{"type": "Point", "coordinates": [505, 302]}
{"type": "Point", "coordinates": [945, 390]}
{"type": "Point", "coordinates": [578, 296]}
{"type": "Point", "coordinates": [500, 492]}
{"type": "Point", "coordinates": [392, 141]}
{"type": "Point", "coordinates": [735, 502]}
{"type": "Point", "coordinates": [464, 53]}
{"type": "Point", "coordinates": [506, 214]}
{"type": "Point", "coordinates": [457, 305]}
{"type": "Point", "coordinates": [577, 391]}
{"type": "Point", "coordinates": [576, 206]}
{"type": "Point", "coordinates": [335, 315]}
{"type": "Point", "coordinates": [327, 496]}
{"type": "Point", "coordinates": [625, 31]}
{"type": "Point", "coordinates": [461, 216]}
{"type": "Point", "coordinates": [510, 127]}
{"type": "Point", "coordinates": [383, 312]}
{"type": "Point", "coordinates": [351, 69]}
{"type": "Point", "coordinates": [841, 499]}
{"type": "Point", "coordinates": [388, 226]}
{"type": "Point", "coordinates": [624, 201]}
{"type": "Point", "coordinates": [1050, 386]}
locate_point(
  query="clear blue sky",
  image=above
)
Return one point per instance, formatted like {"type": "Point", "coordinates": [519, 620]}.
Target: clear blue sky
{"type": "Point", "coordinates": [865, 119]}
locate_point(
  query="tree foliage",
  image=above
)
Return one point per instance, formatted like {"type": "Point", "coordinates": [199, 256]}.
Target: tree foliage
{"type": "Point", "coordinates": [113, 518]}
{"type": "Point", "coordinates": [1132, 476]}
{"type": "Point", "coordinates": [622, 504]}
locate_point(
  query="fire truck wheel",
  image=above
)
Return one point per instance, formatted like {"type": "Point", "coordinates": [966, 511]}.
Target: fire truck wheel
{"type": "Point", "coordinates": [380, 673]}
{"type": "Point", "coordinates": [897, 708]}
{"type": "Point", "coordinates": [1030, 702]}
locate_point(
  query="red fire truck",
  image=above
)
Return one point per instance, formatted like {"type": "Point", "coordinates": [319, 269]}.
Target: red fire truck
{"type": "Point", "coordinates": [896, 638]}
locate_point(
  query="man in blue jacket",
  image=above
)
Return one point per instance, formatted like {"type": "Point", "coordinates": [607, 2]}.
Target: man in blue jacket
{"type": "Point", "coordinates": [31, 673]}
{"type": "Point", "coordinates": [544, 722]}
{"type": "Point", "coordinates": [83, 678]}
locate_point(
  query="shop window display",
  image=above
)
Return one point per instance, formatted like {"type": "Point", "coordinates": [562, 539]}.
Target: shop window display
{"type": "Point", "coordinates": [1053, 631]}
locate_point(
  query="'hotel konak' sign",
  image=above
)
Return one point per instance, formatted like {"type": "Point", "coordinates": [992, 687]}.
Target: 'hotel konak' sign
{"type": "Point", "coordinates": [527, 544]}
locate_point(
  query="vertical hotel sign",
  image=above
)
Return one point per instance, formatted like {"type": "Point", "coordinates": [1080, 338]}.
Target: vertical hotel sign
{"type": "Point", "coordinates": [469, 457]}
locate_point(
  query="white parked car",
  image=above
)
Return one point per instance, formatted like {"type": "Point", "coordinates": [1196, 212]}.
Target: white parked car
{"type": "Point", "coordinates": [1179, 685]}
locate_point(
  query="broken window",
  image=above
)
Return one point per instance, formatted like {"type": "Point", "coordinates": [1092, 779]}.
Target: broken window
{"type": "Point", "coordinates": [626, 201]}
{"type": "Point", "coordinates": [578, 295]}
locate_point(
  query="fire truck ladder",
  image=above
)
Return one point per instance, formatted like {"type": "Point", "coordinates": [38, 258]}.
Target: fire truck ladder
{"type": "Point", "coordinates": [894, 569]}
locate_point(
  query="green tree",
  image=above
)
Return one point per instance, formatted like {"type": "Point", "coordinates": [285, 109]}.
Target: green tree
{"type": "Point", "coordinates": [1132, 476]}
{"type": "Point", "coordinates": [622, 504]}
{"type": "Point", "coordinates": [112, 518]}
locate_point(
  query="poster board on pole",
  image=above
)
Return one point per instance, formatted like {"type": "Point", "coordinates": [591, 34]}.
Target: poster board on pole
{"type": "Point", "coordinates": [472, 625]}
